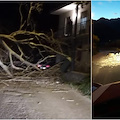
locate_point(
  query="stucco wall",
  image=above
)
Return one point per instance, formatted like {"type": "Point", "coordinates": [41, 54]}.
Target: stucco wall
{"type": "Point", "coordinates": [83, 65]}
{"type": "Point", "coordinates": [72, 15]}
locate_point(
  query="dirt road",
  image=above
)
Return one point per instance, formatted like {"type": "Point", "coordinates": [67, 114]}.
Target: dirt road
{"type": "Point", "coordinates": [41, 99]}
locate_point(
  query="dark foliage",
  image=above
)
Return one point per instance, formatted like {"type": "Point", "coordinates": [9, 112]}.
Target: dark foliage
{"type": "Point", "coordinates": [107, 30]}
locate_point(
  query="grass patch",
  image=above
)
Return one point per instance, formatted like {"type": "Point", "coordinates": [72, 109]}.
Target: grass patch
{"type": "Point", "coordinates": [85, 86]}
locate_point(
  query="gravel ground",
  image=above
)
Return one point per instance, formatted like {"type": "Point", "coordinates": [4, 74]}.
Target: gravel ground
{"type": "Point", "coordinates": [42, 99]}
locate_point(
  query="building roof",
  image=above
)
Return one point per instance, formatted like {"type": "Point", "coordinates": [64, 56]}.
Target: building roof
{"type": "Point", "coordinates": [65, 8]}
{"type": "Point", "coordinates": [106, 92]}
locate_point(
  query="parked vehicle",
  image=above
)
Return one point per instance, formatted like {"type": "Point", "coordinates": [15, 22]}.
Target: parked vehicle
{"type": "Point", "coordinates": [47, 63]}
{"type": "Point", "coordinates": [106, 101]}
{"type": "Point", "coordinates": [95, 86]}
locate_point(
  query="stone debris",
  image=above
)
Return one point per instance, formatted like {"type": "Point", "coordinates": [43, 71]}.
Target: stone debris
{"type": "Point", "coordinates": [60, 91]}
{"type": "Point", "coordinates": [63, 98]}
{"type": "Point", "coordinates": [70, 100]}
{"type": "Point", "coordinates": [57, 82]}
{"type": "Point", "coordinates": [39, 103]}
{"type": "Point", "coordinates": [41, 92]}
{"type": "Point", "coordinates": [52, 83]}
{"type": "Point", "coordinates": [30, 94]}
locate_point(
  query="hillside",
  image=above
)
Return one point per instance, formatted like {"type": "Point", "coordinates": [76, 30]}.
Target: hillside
{"type": "Point", "coordinates": [107, 30]}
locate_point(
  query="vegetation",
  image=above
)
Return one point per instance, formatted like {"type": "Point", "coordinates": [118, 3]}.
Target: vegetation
{"type": "Point", "coordinates": [95, 42]}
{"type": "Point", "coordinates": [83, 86]}
{"type": "Point", "coordinates": [15, 44]}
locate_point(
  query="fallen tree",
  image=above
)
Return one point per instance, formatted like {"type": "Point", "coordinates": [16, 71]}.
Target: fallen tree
{"type": "Point", "coordinates": [12, 44]}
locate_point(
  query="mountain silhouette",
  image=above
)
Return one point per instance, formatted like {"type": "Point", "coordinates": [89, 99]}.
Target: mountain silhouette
{"type": "Point", "coordinates": [107, 30]}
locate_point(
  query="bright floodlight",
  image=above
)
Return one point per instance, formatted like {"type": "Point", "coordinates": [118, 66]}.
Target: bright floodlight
{"type": "Point", "coordinates": [70, 7]}
{"type": "Point", "coordinates": [110, 60]}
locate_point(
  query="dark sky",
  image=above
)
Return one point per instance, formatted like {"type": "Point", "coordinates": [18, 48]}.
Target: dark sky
{"type": "Point", "coordinates": [10, 17]}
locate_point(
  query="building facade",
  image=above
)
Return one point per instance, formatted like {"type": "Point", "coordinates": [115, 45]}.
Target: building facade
{"type": "Point", "coordinates": [74, 27]}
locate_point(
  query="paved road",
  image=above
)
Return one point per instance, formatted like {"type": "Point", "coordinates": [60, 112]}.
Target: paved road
{"type": "Point", "coordinates": [42, 99]}
{"type": "Point", "coordinates": [103, 70]}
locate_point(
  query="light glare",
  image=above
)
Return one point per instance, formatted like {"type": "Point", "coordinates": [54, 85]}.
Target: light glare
{"type": "Point", "coordinates": [110, 60]}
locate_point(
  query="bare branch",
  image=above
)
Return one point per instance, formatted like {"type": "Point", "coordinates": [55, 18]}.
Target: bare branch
{"type": "Point", "coordinates": [11, 62]}
{"type": "Point", "coordinates": [5, 68]}
{"type": "Point", "coordinates": [19, 57]}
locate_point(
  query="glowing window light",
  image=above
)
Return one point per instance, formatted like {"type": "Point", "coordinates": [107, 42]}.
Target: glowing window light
{"type": "Point", "coordinates": [110, 60]}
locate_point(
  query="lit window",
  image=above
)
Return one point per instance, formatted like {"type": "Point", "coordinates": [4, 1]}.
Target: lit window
{"type": "Point", "coordinates": [83, 22]}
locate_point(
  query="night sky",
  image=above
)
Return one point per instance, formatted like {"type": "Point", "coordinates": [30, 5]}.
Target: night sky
{"type": "Point", "coordinates": [10, 17]}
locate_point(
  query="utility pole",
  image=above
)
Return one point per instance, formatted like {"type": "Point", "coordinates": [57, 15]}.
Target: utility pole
{"type": "Point", "coordinates": [74, 40]}
{"type": "Point", "coordinates": [75, 29]}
